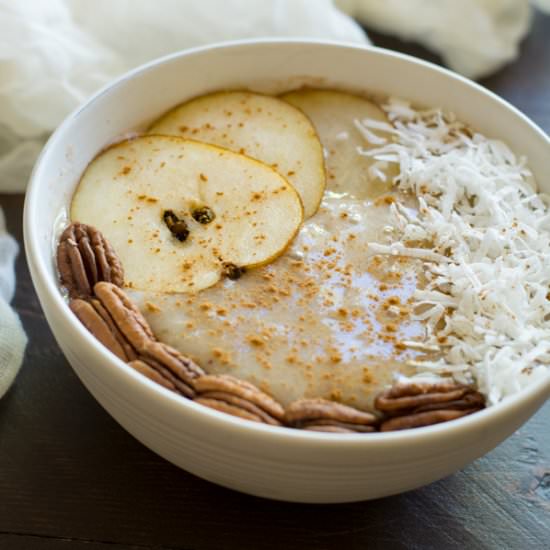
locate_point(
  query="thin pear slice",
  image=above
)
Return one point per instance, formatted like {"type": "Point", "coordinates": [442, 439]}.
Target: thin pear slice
{"type": "Point", "coordinates": [128, 189]}
{"type": "Point", "coordinates": [333, 114]}
{"type": "Point", "coordinates": [259, 126]}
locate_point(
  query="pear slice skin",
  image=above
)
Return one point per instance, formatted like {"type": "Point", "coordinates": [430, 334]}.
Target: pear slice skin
{"type": "Point", "coordinates": [260, 126]}
{"type": "Point", "coordinates": [126, 190]}
{"type": "Point", "coordinates": [333, 113]}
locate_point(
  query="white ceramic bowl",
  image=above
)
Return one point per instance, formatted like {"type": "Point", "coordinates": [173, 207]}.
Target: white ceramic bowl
{"type": "Point", "coordinates": [272, 462]}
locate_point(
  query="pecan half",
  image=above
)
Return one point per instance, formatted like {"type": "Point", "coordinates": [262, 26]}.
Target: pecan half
{"type": "Point", "coordinates": [415, 404]}
{"type": "Point", "coordinates": [228, 408]}
{"type": "Point", "coordinates": [128, 320]}
{"type": "Point", "coordinates": [159, 373]}
{"type": "Point", "coordinates": [129, 350]}
{"type": "Point", "coordinates": [169, 362]}
{"type": "Point", "coordinates": [329, 416]}
{"type": "Point", "coordinates": [237, 397]}
{"type": "Point", "coordinates": [403, 396]}
{"type": "Point", "coordinates": [85, 257]}
{"type": "Point", "coordinates": [472, 399]}
{"type": "Point", "coordinates": [417, 420]}
{"type": "Point", "coordinates": [330, 429]}
{"type": "Point", "coordinates": [172, 359]}
{"type": "Point", "coordinates": [125, 314]}
{"type": "Point", "coordinates": [153, 374]}
{"type": "Point", "coordinates": [100, 327]}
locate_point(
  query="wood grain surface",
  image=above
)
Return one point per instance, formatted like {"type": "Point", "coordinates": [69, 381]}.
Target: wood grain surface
{"type": "Point", "coordinates": [71, 478]}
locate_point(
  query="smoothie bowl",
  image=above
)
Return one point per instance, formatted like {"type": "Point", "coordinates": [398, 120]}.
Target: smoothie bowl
{"type": "Point", "coordinates": [303, 270]}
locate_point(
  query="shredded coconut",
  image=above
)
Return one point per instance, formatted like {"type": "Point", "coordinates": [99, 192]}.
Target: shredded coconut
{"type": "Point", "coordinates": [482, 232]}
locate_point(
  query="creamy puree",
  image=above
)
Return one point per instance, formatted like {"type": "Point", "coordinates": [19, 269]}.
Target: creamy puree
{"type": "Point", "coordinates": [326, 319]}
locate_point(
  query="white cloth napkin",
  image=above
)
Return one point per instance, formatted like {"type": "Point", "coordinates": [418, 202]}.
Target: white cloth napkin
{"type": "Point", "coordinates": [12, 336]}
{"type": "Point", "coordinates": [54, 54]}
{"type": "Point", "coordinates": [474, 37]}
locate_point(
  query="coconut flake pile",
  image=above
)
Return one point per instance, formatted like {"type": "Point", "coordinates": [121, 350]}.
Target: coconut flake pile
{"type": "Point", "coordinates": [483, 233]}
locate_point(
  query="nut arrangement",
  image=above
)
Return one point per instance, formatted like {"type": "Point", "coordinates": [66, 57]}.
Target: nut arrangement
{"type": "Point", "coordinates": [92, 274]}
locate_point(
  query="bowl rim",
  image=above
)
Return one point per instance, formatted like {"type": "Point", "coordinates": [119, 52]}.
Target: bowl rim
{"type": "Point", "coordinates": [45, 285]}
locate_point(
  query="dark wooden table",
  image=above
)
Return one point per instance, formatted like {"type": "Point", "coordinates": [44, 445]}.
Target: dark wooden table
{"type": "Point", "coordinates": [70, 477]}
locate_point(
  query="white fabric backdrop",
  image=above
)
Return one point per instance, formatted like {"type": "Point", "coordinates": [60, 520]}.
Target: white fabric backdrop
{"type": "Point", "coordinates": [12, 337]}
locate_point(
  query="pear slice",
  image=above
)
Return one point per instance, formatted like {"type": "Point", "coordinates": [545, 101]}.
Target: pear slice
{"type": "Point", "coordinates": [259, 126]}
{"type": "Point", "coordinates": [181, 214]}
{"type": "Point", "coordinates": [333, 114]}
